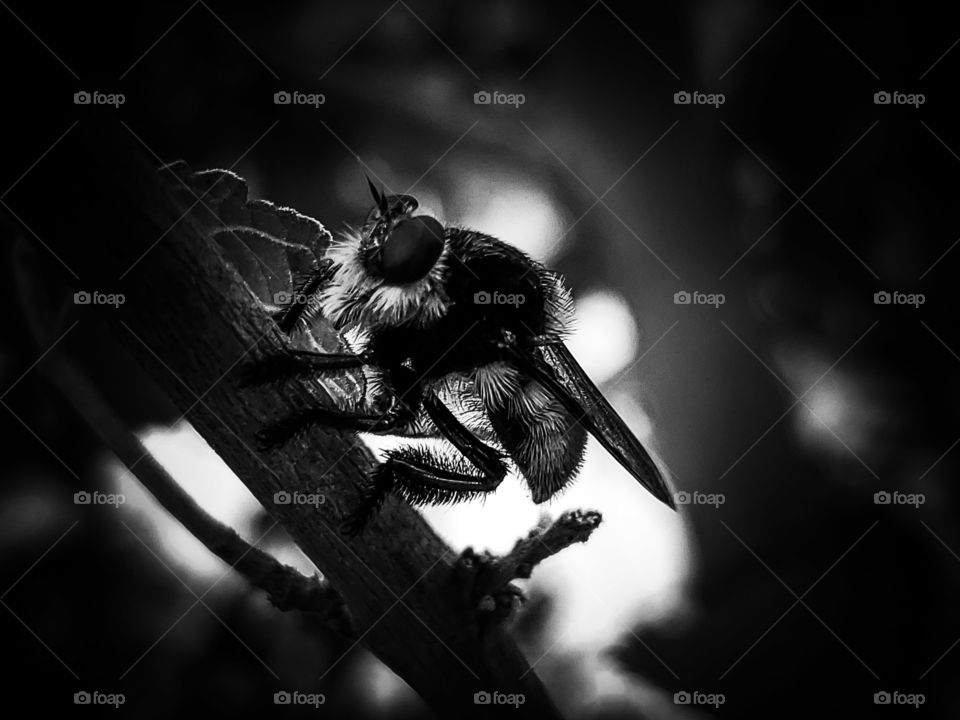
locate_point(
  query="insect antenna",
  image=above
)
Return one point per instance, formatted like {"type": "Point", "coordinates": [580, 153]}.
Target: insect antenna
{"type": "Point", "coordinates": [379, 198]}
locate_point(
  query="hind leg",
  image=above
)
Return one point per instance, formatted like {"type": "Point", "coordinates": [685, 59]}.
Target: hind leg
{"type": "Point", "coordinates": [427, 476]}
{"type": "Point", "coordinates": [424, 476]}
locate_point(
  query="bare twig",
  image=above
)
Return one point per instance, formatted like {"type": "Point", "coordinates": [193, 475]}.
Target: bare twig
{"type": "Point", "coordinates": [491, 575]}
{"type": "Point", "coordinates": [285, 586]}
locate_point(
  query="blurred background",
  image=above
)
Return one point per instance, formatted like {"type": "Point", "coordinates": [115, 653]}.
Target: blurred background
{"type": "Point", "coordinates": [726, 194]}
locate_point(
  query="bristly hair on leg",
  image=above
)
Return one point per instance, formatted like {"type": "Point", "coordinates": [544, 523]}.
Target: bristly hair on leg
{"type": "Point", "coordinates": [396, 475]}
{"type": "Point", "coordinates": [412, 488]}
{"type": "Point", "coordinates": [303, 304]}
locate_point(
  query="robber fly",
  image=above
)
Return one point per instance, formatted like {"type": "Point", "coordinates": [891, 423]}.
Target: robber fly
{"type": "Point", "coordinates": [460, 338]}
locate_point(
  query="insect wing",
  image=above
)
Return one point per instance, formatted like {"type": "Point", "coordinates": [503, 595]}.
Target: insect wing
{"type": "Point", "coordinates": [600, 419]}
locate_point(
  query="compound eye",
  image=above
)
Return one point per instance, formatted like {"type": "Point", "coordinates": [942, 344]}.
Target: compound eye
{"type": "Point", "coordinates": [411, 250]}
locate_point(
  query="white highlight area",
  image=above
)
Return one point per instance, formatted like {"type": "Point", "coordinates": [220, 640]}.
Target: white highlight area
{"type": "Point", "coordinates": [511, 208]}
{"type": "Point", "coordinates": [604, 340]}
{"type": "Point", "coordinates": [838, 415]}
{"type": "Point", "coordinates": [206, 478]}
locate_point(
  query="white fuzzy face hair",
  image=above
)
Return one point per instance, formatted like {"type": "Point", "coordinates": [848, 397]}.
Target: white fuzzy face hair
{"type": "Point", "coordinates": [355, 295]}
{"type": "Point", "coordinates": [391, 271]}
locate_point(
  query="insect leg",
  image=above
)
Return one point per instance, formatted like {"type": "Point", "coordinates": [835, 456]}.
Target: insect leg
{"type": "Point", "coordinates": [427, 476]}
{"type": "Point", "coordinates": [279, 433]}
{"type": "Point", "coordinates": [484, 457]}
{"type": "Point", "coordinates": [421, 476]}
{"type": "Point", "coordinates": [296, 363]}
{"type": "Point", "coordinates": [295, 311]}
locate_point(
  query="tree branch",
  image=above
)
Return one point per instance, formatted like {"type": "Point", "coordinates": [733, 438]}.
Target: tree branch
{"type": "Point", "coordinates": [192, 321]}
{"type": "Point", "coordinates": [286, 587]}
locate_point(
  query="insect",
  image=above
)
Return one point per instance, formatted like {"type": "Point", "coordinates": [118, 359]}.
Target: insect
{"type": "Point", "coordinates": [460, 337]}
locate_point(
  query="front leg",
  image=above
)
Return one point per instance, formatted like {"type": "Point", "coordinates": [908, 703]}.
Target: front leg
{"type": "Point", "coordinates": [303, 300]}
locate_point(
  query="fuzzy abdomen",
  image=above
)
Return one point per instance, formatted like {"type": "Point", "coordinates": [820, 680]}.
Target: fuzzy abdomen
{"type": "Point", "coordinates": [544, 440]}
